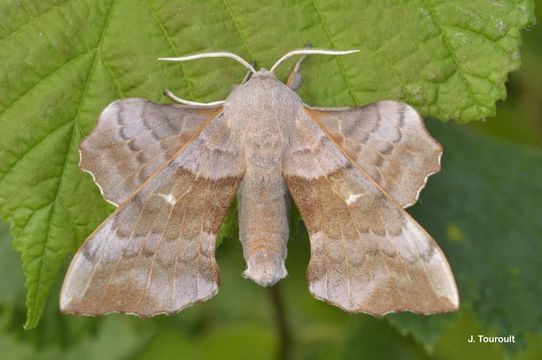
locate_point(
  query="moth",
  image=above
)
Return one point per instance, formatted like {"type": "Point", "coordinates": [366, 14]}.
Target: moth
{"type": "Point", "coordinates": [173, 171]}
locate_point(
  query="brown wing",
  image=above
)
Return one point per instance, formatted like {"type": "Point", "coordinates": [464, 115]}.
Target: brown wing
{"type": "Point", "coordinates": [389, 141]}
{"type": "Point", "coordinates": [367, 254]}
{"type": "Point", "coordinates": [133, 139]}
{"type": "Point", "coordinates": [155, 254]}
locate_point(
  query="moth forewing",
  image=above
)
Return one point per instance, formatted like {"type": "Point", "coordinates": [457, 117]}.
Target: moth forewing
{"type": "Point", "coordinates": [388, 139]}
{"type": "Point", "coordinates": [134, 139]}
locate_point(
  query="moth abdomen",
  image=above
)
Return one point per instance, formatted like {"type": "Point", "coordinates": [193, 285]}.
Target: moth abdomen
{"type": "Point", "coordinates": [263, 225]}
{"type": "Point", "coordinates": [265, 258]}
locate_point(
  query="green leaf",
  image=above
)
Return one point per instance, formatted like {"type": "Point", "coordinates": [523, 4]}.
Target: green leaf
{"type": "Point", "coordinates": [454, 342]}
{"type": "Point", "coordinates": [234, 342]}
{"type": "Point", "coordinates": [62, 62]}
{"type": "Point", "coordinates": [523, 106]}
{"type": "Point", "coordinates": [12, 279]}
{"type": "Point", "coordinates": [483, 208]}
{"type": "Point", "coordinates": [371, 338]}
{"type": "Point", "coordinates": [230, 227]}
{"type": "Point", "coordinates": [115, 338]}
{"type": "Point", "coordinates": [374, 339]}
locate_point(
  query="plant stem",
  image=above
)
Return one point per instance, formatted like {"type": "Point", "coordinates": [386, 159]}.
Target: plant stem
{"type": "Point", "coordinates": [283, 331]}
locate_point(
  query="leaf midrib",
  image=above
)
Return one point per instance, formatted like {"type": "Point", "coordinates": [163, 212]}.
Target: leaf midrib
{"type": "Point", "coordinates": [75, 130]}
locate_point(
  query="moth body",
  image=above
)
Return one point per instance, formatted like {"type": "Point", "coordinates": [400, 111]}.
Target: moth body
{"type": "Point", "coordinates": [263, 137]}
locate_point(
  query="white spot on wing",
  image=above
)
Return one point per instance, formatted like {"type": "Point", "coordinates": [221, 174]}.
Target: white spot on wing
{"type": "Point", "coordinates": [352, 198]}
{"type": "Point", "coordinates": [170, 199]}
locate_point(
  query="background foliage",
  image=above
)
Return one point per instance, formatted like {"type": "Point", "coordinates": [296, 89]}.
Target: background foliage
{"type": "Point", "coordinates": [62, 61]}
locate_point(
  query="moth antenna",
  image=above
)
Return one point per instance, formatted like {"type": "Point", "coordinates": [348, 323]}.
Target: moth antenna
{"type": "Point", "coordinates": [311, 52]}
{"type": "Point", "coordinates": [213, 54]}
{"type": "Point", "coordinates": [174, 97]}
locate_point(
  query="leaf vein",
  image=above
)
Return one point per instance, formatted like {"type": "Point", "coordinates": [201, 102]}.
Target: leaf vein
{"type": "Point", "coordinates": [451, 50]}
{"type": "Point", "coordinates": [332, 42]}
{"type": "Point", "coordinates": [20, 96]}
{"type": "Point", "coordinates": [238, 28]}
{"type": "Point", "coordinates": [31, 20]}
{"type": "Point", "coordinates": [30, 148]}
{"type": "Point", "coordinates": [115, 80]}
{"type": "Point", "coordinates": [173, 47]}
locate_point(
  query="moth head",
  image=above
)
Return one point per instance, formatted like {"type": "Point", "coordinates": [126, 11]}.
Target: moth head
{"type": "Point", "coordinates": [262, 72]}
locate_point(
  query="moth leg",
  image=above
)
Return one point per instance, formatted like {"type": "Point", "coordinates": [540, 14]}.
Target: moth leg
{"type": "Point", "coordinates": [249, 73]}
{"type": "Point", "coordinates": [295, 79]}
{"type": "Point", "coordinates": [174, 97]}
